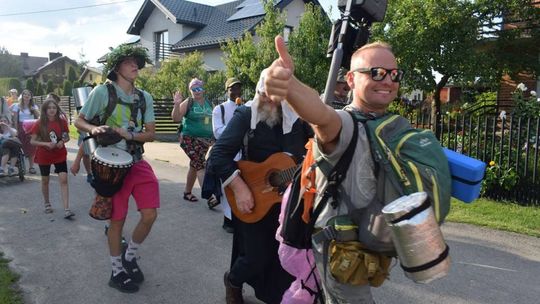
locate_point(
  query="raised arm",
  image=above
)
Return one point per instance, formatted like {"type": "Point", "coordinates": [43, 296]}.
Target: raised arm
{"type": "Point", "coordinates": [280, 84]}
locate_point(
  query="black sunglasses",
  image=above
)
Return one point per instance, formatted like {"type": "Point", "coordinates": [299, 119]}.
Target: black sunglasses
{"type": "Point", "coordinates": [378, 73]}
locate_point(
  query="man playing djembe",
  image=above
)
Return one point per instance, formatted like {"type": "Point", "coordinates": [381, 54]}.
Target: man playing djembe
{"type": "Point", "coordinates": [133, 119]}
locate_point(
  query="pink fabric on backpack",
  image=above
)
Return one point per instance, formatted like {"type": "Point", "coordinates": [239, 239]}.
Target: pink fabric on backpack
{"type": "Point", "coordinates": [297, 262]}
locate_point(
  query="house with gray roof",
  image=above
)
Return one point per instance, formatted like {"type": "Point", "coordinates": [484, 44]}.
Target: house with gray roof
{"type": "Point", "coordinates": [176, 27]}
{"type": "Point", "coordinates": [30, 64]}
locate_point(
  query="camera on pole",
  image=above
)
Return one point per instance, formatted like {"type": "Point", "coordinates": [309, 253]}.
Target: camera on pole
{"type": "Point", "coordinates": [350, 33]}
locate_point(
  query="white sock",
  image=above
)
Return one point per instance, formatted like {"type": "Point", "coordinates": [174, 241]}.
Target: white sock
{"type": "Point", "coordinates": [131, 251]}
{"type": "Point", "coordinates": [116, 263]}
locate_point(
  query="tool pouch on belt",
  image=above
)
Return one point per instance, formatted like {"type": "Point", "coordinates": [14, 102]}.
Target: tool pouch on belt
{"type": "Point", "coordinates": [351, 263]}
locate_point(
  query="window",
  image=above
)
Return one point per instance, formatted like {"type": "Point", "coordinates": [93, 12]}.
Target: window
{"type": "Point", "coordinates": [286, 33]}
{"type": "Point", "coordinates": [161, 45]}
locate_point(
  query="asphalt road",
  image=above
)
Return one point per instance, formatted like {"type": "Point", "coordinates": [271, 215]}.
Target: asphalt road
{"type": "Point", "coordinates": [187, 252]}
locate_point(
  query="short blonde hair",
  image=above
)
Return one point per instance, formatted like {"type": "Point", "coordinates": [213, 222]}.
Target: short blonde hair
{"type": "Point", "coordinates": [373, 45]}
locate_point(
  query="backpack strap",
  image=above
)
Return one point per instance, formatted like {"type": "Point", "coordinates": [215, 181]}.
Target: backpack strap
{"type": "Point", "coordinates": [222, 107]}
{"type": "Point", "coordinates": [135, 107]}
{"type": "Point", "coordinates": [336, 176]}
{"type": "Point", "coordinates": [113, 99]}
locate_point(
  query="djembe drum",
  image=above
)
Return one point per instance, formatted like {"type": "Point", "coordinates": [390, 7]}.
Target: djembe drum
{"type": "Point", "coordinates": [109, 167]}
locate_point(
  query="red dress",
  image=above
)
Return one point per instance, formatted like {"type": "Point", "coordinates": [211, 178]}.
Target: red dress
{"type": "Point", "coordinates": [55, 129]}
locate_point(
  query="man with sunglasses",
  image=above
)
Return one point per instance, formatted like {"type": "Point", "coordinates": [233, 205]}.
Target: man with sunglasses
{"type": "Point", "coordinates": [374, 80]}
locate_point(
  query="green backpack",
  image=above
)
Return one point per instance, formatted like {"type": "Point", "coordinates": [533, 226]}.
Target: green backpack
{"type": "Point", "coordinates": [412, 159]}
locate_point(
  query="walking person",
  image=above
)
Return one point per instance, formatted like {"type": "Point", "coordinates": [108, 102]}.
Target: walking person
{"type": "Point", "coordinates": [221, 115]}
{"type": "Point", "coordinates": [270, 128]}
{"type": "Point", "coordinates": [374, 79]}
{"type": "Point", "coordinates": [196, 137]}
{"type": "Point", "coordinates": [50, 134]}
{"type": "Point", "coordinates": [24, 113]}
{"type": "Point", "coordinates": [132, 118]}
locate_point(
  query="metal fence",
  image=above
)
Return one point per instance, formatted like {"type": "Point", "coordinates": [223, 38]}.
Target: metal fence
{"type": "Point", "coordinates": [511, 143]}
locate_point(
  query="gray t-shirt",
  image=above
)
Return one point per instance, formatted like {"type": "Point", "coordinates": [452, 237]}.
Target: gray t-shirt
{"type": "Point", "coordinates": [359, 186]}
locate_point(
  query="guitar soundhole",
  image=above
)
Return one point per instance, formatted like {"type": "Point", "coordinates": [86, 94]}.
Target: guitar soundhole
{"type": "Point", "coordinates": [274, 179]}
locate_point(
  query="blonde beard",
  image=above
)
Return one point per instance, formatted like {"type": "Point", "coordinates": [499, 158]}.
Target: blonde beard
{"type": "Point", "coordinates": [269, 114]}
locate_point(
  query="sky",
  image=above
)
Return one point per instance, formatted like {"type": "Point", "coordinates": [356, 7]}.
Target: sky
{"type": "Point", "coordinates": [38, 27]}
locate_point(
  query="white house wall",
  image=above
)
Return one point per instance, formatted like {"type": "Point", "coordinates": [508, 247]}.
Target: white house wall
{"type": "Point", "coordinates": [213, 59]}
{"type": "Point", "coordinates": [294, 11]}
{"type": "Point", "coordinates": [158, 22]}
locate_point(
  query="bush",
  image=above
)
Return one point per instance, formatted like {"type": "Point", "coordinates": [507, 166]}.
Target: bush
{"type": "Point", "coordinates": [68, 87]}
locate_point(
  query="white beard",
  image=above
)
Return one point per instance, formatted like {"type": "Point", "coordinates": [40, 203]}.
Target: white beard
{"type": "Point", "coordinates": [269, 114]}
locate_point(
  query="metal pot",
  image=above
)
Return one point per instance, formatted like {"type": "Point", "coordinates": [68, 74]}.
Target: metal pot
{"type": "Point", "coordinates": [418, 240]}
{"type": "Point", "coordinates": [81, 96]}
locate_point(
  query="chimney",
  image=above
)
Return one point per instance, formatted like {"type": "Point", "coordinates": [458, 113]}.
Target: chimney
{"type": "Point", "coordinates": [54, 55]}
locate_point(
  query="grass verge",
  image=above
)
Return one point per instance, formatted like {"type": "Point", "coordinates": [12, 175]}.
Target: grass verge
{"type": "Point", "coordinates": [497, 215]}
{"type": "Point", "coordinates": [8, 294]}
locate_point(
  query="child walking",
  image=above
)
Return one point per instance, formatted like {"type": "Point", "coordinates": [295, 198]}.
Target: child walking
{"type": "Point", "coordinates": [49, 134]}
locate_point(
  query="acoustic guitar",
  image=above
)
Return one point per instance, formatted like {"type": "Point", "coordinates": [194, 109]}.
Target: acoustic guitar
{"type": "Point", "coordinates": [264, 180]}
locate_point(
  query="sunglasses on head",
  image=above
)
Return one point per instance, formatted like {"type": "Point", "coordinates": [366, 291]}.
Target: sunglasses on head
{"type": "Point", "coordinates": [378, 73]}
{"type": "Point", "coordinates": [197, 89]}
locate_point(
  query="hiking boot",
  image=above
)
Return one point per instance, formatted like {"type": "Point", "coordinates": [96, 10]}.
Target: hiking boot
{"type": "Point", "coordinates": [123, 282]}
{"type": "Point", "coordinates": [132, 269]}
{"type": "Point", "coordinates": [233, 295]}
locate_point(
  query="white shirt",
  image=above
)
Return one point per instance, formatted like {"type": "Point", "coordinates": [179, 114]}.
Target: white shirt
{"type": "Point", "coordinates": [218, 125]}
{"type": "Point", "coordinates": [24, 114]}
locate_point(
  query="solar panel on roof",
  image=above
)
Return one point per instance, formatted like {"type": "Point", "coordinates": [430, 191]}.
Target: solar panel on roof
{"type": "Point", "coordinates": [247, 2]}
{"type": "Point", "coordinates": [251, 8]}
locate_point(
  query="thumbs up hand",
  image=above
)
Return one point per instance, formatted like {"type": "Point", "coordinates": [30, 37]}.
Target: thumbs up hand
{"type": "Point", "coordinates": [279, 73]}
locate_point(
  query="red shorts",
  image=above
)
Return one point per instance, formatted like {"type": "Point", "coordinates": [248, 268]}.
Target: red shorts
{"type": "Point", "coordinates": [141, 182]}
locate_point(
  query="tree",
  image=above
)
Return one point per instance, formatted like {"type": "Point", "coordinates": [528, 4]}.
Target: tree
{"type": "Point", "coordinates": [243, 59]}
{"type": "Point", "coordinates": [308, 46]}
{"type": "Point", "coordinates": [215, 86]}
{"type": "Point", "coordinates": [30, 85]}
{"type": "Point", "coordinates": [10, 66]}
{"type": "Point", "coordinates": [14, 83]}
{"type": "Point", "coordinates": [445, 37]}
{"type": "Point", "coordinates": [72, 75]}
{"type": "Point", "coordinates": [68, 87]}
{"type": "Point", "coordinates": [83, 62]}
{"type": "Point", "coordinates": [76, 84]}
{"type": "Point", "coordinates": [50, 87]}
{"type": "Point", "coordinates": [39, 89]}
{"type": "Point", "coordinates": [174, 74]}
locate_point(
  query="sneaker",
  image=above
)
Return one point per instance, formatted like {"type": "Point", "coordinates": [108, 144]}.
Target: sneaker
{"type": "Point", "coordinates": [32, 170]}
{"type": "Point", "coordinates": [123, 282]}
{"type": "Point", "coordinates": [68, 214]}
{"type": "Point", "coordinates": [11, 171]}
{"type": "Point", "coordinates": [2, 173]}
{"type": "Point", "coordinates": [132, 269]}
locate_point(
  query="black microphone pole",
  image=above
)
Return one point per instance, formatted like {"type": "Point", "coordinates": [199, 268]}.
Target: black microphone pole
{"type": "Point", "coordinates": [337, 56]}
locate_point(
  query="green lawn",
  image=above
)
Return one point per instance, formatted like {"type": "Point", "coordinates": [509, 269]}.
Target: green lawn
{"type": "Point", "coordinates": [497, 215]}
{"type": "Point", "coordinates": [8, 290]}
